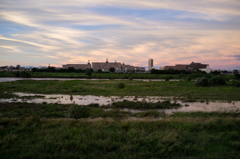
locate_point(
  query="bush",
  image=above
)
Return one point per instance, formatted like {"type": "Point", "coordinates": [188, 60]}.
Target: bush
{"type": "Point", "coordinates": [88, 72]}
{"type": "Point", "coordinates": [17, 74]}
{"type": "Point", "coordinates": [112, 69]}
{"type": "Point", "coordinates": [121, 85]}
{"type": "Point", "coordinates": [218, 80]}
{"type": "Point", "coordinates": [100, 71]}
{"type": "Point", "coordinates": [77, 112]}
{"type": "Point", "coordinates": [237, 76]}
{"type": "Point", "coordinates": [25, 74]}
{"type": "Point", "coordinates": [188, 78]}
{"type": "Point", "coordinates": [166, 78]}
{"type": "Point", "coordinates": [130, 78]}
{"type": "Point", "coordinates": [203, 81]}
{"type": "Point", "coordinates": [236, 83]}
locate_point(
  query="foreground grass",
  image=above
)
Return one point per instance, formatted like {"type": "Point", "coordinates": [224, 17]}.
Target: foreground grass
{"type": "Point", "coordinates": [132, 88]}
{"type": "Point", "coordinates": [23, 110]}
{"type": "Point", "coordinates": [42, 131]}
{"type": "Point", "coordinates": [96, 75]}
{"type": "Point", "coordinates": [105, 138]}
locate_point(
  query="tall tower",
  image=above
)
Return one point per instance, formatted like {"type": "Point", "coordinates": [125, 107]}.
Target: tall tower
{"type": "Point", "coordinates": [150, 64]}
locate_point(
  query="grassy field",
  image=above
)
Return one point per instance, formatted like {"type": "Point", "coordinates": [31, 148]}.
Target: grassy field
{"type": "Point", "coordinates": [51, 131]}
{"type": "Point", "coordinates": [95, 75]}
{"type": "Point", "coordinates": [184, 89]}
{"type": "Point", "coordinates": [45, 131]}
{"type": "Point", "coordinates": [23, 110]}
{"type": "Point", "coordinates": [111, 75]}
{"type": "Point", "coordinates": [178, 137]}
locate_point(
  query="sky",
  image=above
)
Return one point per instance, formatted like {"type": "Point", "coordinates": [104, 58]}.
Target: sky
{"type": "Point", "coordinates": [57, 32]}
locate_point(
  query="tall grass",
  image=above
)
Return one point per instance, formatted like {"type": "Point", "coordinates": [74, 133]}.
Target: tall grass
{"type": "Point", "coordinates": [170, 138]}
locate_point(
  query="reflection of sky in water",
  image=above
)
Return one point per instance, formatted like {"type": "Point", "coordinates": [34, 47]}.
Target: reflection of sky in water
{"type": "Point", "coordinates": [103, 100]}
{"type": "Point", "coordinates": [68, 79]}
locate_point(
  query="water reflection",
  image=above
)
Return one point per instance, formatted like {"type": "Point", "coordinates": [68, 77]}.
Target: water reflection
{"type": "Point", "coordinates": [68, 79]}
{"type": "Point", "coordinates": [206, 106]}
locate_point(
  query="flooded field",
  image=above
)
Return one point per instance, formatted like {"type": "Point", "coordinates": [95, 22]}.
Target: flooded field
{"type": "Point", "coordinates": [68, 79]}
{"type": "Point", "coordinates": [206, 106]}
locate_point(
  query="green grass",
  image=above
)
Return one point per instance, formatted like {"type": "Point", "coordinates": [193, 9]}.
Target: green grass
{"type": "Point", "coordinates": [42, 131]}
{"type": "Point", "coordinates": [185, 89]}
{"type": "Point", "coordinates": [23, 110]}
{"type": "Point", "coordinates": [145, 105]}
{"type": "Point", "coordinates": [95, 75]}
{"type": "Point", "coordinates": [105, 138]}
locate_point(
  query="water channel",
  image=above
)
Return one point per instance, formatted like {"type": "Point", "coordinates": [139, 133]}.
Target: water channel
{"type": "Point", "coordinates": [8, 79]}
{"type": "Point", "coordinates": [206, 106]}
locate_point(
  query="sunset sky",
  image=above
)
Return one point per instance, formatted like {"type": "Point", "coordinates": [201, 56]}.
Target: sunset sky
{"type": "Point", "coordinates": [39, 32]}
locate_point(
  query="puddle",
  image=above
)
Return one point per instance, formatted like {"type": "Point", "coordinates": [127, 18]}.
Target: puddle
{"type": "Point", "coordinates": [68, 79]}
{"type": "Point", "coordinates": [103, 100]}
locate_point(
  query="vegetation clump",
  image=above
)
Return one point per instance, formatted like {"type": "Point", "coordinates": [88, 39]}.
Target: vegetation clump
{"type": "Point", "coordinates": [77, 112]}
{"type": "Point", "coordinates": [218, 80]}
{"type": "Point", "coordinates": [23, 74]}
{"type": "Point", "coordinates": [203, 81]}
{"type": "Point", "coordinates": [145, 105]}
{"type": "Point", "coordinates": [167, 78]}
{"type": "Point", "coordinates": [236, 83]}
{"type": "Point", "coordinates": [121, 85]}
{"type": "Point", "coordinates": [88, 72]}
{"type": "Point", "coordinates": [112, 69]}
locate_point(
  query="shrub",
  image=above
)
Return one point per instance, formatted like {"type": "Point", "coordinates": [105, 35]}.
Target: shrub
{"type": "Point", "coordinates": [237, 76]}
{"type": "Point", "coordinates": [166, 78]}
{"type": "Point", "coordinates": [218, 80]}
{"type": "Point", "coordinates": [188, 78]}
{"type": "Point", "coordinates": [130, 78]}
{"type": "Point", "coordinates": [77, 112]}
{"type": "Point", "coordinates": [121, 85]}
{"type": "Point", "coordinates": [25, 74]}
{"type": "Point", "coordinates": [236, 83]}
{"type": "Point", "coordinates": [88, 72]}
{"type": "Point", "coordinates": [17, 74]}
{"type": "Point", "coordinates": [112, 69]}
{"type": "Point", "coordinates": [100, 71]}
{"type": "Point", "coordinates": [203, 81]}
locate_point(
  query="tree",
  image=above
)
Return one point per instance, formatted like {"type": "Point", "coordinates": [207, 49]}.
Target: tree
{"type": "Point", "coordinates": [112, 69]}
{"type": "Point", "coordinates": [25, 74]}
{"type": "Point", "coordinates": [71, 69]}
{"type": "Point", "coordinates": [100, 71]}
{"type": "Point", "coordinates": [216, 72]}
{"type": "Point", "coordinates": [153, 71]}
{"type": "Point", "coordinates": [51, 69]}
{"type": "Point", "coordinates": [34, 69]}
{"type": "Point", "coordinates": [235, 72]}
{"type": "Point", "coordinates": [88, 72]}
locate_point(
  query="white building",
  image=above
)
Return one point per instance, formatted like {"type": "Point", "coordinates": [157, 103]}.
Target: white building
{"type": "Point", "coordinates": [150, 64]}
{"type": "Point", "coordinates": [207, 69]}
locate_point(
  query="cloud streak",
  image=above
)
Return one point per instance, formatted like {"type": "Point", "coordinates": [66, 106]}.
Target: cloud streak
{"type": "Point", "coordinates": [170, 32]}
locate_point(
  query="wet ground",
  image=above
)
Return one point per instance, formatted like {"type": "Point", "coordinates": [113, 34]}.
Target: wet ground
{"type": "Point", "coordinates": [67, 79]}
{"type": "Point", "coordinates": [206, 106]}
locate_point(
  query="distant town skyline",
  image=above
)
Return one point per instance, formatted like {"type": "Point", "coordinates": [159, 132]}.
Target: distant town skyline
{"type": "Point", "coordinates": [36, 33]}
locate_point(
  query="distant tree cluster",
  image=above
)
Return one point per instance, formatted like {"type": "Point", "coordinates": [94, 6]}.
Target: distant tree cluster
{"type": "Point", "coordinates": [169, 71]}
{"type": "Point", "coordinates": [53, 69]}
{"type": "Point", "coordinates": [23, 74]}
{"type": "Point", "coordinates": [112, 69]}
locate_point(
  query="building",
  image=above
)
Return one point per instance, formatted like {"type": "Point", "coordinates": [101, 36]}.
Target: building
{"type": "Point", "coordinates": [192, 67]}
{"type": "Point", "coordinates": [150, 64]}
{"type": "Point", "coordinates": [78, 66]}
{"type": "Point", "coordinates": [207, 69]}
{"type": "Point", "coordinates": [105, 66]}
